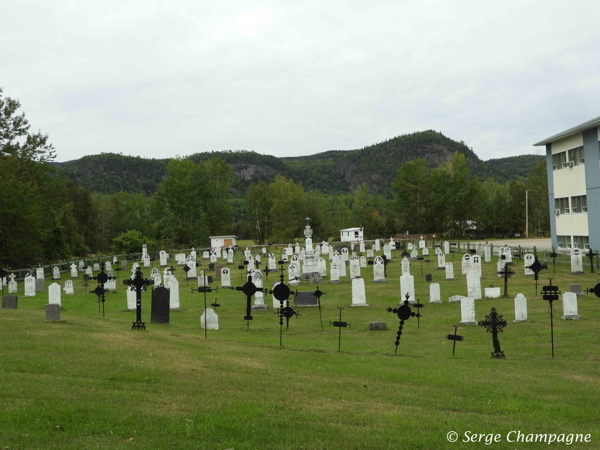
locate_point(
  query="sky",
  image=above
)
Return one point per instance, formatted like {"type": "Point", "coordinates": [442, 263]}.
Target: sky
{"type": "Point", "coordinates": [290, 78]}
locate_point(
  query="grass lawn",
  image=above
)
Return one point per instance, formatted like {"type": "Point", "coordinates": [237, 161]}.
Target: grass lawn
{"type": "Point", "coordinates": [91, 382]}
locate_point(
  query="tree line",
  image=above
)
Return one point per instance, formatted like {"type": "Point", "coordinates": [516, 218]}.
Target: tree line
{"type": "Point", "coordinates": [45, 217]}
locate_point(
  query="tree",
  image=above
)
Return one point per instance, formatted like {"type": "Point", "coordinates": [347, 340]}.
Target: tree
{"type": "Point", "coordinates": [537, 185]}
{"type": "Point", "coordinates": [15, 139]}
{"type": "Point", "coordinates": [129, 242]}
{"type": "Point", "coordinates": [288, 210]}
{"type": "Point", "coordinates": [258, 205]}
{"type": "Point", "coordinates": [412, 188]}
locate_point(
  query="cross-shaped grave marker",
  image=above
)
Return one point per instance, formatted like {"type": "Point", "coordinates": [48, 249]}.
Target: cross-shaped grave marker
{"type": "Point", "coordinates": [551, 294]}
{"type": "Point", "coordinates": [494, 323]}
{"type": "Point", "coordinates": [592, 255]}
{"type": "Point", "coordinates": [506, 273]}
{"type": "Point", "coordinates": [138, 284]}
{"type": "Point", "coordinates": [282, 292]}
{"type": "Point", "coordinates": [101, 278]}
{"type": "Point", "coordinates": [404, 313]}
{"type": "Point", "coordinates": [595, 290]}
{"type": "Point", "coordinates": [454, 337]}
{"type": "Point", "coordinates": [206, 288]}
{"type": "Point", "coordinates": [536, 268]}
{"type": "Point", "coordinates": [553, 255]}
{"type": "Point", "coordinates": [249, 289]}
{"type": "Point", "coordinates": [339, 324]}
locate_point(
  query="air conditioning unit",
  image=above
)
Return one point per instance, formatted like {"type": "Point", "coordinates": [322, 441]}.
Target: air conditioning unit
{"type": "Point", "coordinates": [565, 164]}
{"type": "Point", "coordinates": [581, 160]}
{"type": "Point", "coordinates": [574, 210]}
{"type": "Point", "coordinates": [555, 167]}
{"type": "Point", "coordinates": [571, 163]}
{"type": "Point", "coordinates": [584, 209]}
{"type": "Point", "coordinates": [566, 210]}
{"type": "Point", "coordinates": [557, 212]}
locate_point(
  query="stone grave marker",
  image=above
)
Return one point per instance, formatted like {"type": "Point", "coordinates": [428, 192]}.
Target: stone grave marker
{"type": "Point", "coordinates": [492, 292]}
{"type": "Point", "coordinates": [407, 286]}
{"type": "Point", "coordinates": [449, 271]}
{"type": "Point", "coordinates": [520, 308]}
{"type": "Point", "coordinates": [209, 319]}
{"type": "Point", "coordinates": [39, 285]}
{"type": "Point", "coordinates": [56, 273]}
{"type": "Point", "coordinates": [52, 312]}
{"type": "Point", "coordinates": [576, 261]}
{"type": "Point", "coordinates": [54, 294]}
{"type": "Point", "coordinates": [434, 293]}
{"type": "Point", "coordinates": [9, 302]}
{"type": "Point", "coordinates": [529, 259]}
{"type": "Point", "coordinates": [359, 296]}
{"type": "Point", "coordinates": [379, 270]}
{"type": "Point", "coordinates": [474, 285]}
{"type": "Point", "coordinates": [30, 286]}
{"type": "Point", "coordinates": [302, 299]}
{"type": "Point", "coordinates": [467, 311]}
{"type": "Point", "coordinates": [161, 298]}
{"type": "Point", "coordinates": [68, 288]}
{"type": "Point", "coordinates": [225, 278]}
{"type": "Point", "coordinates": [570, 310]}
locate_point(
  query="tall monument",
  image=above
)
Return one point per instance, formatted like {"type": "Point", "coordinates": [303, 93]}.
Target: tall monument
{"type": "Point", "coordinates": [311, 266]}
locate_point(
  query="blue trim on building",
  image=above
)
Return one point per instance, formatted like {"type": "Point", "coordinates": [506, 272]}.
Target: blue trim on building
{"type": "Point", "coordinates": [551, 204]}
{"type": "Point", "coordinates": [591, 151]}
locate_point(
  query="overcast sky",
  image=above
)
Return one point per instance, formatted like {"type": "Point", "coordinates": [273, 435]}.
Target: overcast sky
{"type": "Point", "coordinates": [164, 78]}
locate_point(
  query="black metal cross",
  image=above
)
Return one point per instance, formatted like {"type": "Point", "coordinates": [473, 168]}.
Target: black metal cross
{"type": "Point", "coordinates": [454, 337]}
{"type": "Point", "coordinates": [418, 306]}
{"type": "Point", "coordinates": [594, 290]}
{"type": "Point", "coordinates": [506, 272]}
{"type": "Point", "coordinates": [340, 325]}
{"type": "Point", "coordinates": [101, 278]}
{"type": "Point", "coordinates": [138, 284]}
{"type": "Point", "coordinates": [495, 324]}
{"type": "Point", "coordinates": [205, 288]}
{"type": "Point", "coordinates": [536, 268]}
{"type": "Point", "coordinates": [592, 255]}
{"type": "Point", "coordinates": [404, 313]}
{"type": "Point", "coordinates": [550, 294]}
{"type": "Point", "coordinates": [249, 289]}
{"type": "Point", "coordinates": [282, 292]}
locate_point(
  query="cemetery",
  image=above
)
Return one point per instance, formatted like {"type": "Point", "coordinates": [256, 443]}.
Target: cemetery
{"type": "Point", "coordinates": [197, 351]}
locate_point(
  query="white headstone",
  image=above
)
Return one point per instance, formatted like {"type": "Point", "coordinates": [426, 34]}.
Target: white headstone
{"type": "Point", "coordinates": [409, 246]}
{"type": "Point", "coordinates": [405, 266]}
{"type": "Point", "coordinates": [146, 259]}
{"type": "Point", "coordinates": [528, 260]}
{"type": "Point", "coordinates": [330, 252]}
{"type": "Point", "coordinates": [209, 320]}
{"type": "Point", "coordinates": [163, 258]}
{"type": "Point", "coordinates": [474, 285]}
{"type": "Point", "coordinates": [467, 311]}
{"type": "Point", "coordinates": [414, 254]}
{"type": "Point", "coordinates": [378, 270]}
{"type": "Point", "coordinates": [111, 285]}
{"type": "Point", "coordinates": [292, 274]}
{"type": "Point", "coordinates": [499, 267]}
{"type": "Point", "coordinates": [12, 284]}
{"type": "Point", "coordinates": [421, 242]}
{"type": "Point", "coordinates": [73, 270]}
{"type": "Point", "coordinates": [202, 279]}
{"type": "Point", "coordinates": [205, 254]}
{"type": "Point", "coordinates": [449, 271]}
{"type": "Point", "coordinates": [492, 292]}
{"type": "Point", "coordinates": [192, 272]}
{"type": "Point", "coordinates": [466, 264]}
{"type": "Point", "coordinates": [29, 286]}
{"type": "Point", "coordinates": [446, 247]}
{"type": "Point", "coordinates": [369, 253]}
{"type": "Point", "coordinates": [487, 253]}
{"type": "Point", "coordinates": [576, 261]}
{"type": "Point", "coordinates": [131, 301]}
{"type": "Point", "coordinates": [363, 262]}
{"type": "Point", "coordinates": [82, 265]}
{"type": "Point", "coordinates": [230, 256]}
{"type": "Point", "coordinates": [387, 252]}
{"type": "Point", "coordinates": [425, 251]}
{"type": "Point", "coordinates": [213, 257]}
{"type": "Point", "coordinates": [377, 245]}
{"type": "Point", "coordinates": [434, 293]}
{"type": "Point", "coordinates": [225, 277]}
{"type": "Point", "coordinates": [345, 254]}
{"type": "Point", "coordinates": [56, 273]}
{"type": "Point", "coordinates": [39, 273]}
{"type": "Point", "coordinates": [173, 293]}
{"type": "Point", "coordinates": [407, 286]}
{"type": "Point", "coordinates": [570, 309]}
{"type": "Point", "coordinates": [88, 271]}
{"type": "Point", "coordinates": [259, 296]}
{"type": "Point", "coordinates": [322, 267]}
{"type": "Point", "coordinates": [334, 276]}
{"type": "Point", "coordinates": [54, 294]}
{"type": "Point", "coordinates": [359, 297]}
{"type": "Point", "coordinates": [69, 287]}
{"type": "Point", "coordinates": [520, 308]}
{"type": "Point", "coordinates": [455, 298]}
{"type": "Point", "coordinates": [107, 266]}
{"type": "Point", "coordinates": [441, 260]}
{"type": "Point", "coordinates": [354, 267]}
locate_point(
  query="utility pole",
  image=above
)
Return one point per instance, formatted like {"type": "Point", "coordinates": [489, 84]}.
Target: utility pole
{"type": "Point", "coordinates": [526, 213]}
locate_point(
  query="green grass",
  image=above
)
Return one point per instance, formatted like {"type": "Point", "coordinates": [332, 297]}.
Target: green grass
{"type": "Point", "coordinates": [88, 382]}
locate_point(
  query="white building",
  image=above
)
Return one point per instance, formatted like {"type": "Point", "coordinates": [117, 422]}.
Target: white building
{"type": "Point", "coordinates": [352, 235]}
{"type": "Point", "coordinates": [573, 164]}
{"type": "Point", "coordinates": [223, 241]}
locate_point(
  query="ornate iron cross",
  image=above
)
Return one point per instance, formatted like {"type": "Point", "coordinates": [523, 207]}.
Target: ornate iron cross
{"type": "Point", "coordinates": [249, 289]}
{"type": "Point", "coordinates": [536, 268]}
{"type": "Point", "coordinates": [282, 292]}
{"type": "Point", "coordinates": [553, 255]}
{"type": "Point", "coordinates": [592, 255]}
{"type": "Point", "coordinates": [101, 278]}
{"type": "Point", "coordinates": [404, 313]}
{"type": "Point", "coordinates": [494, 323]}
{"type": "Point", "coordinates": [550, 294]}
{"type": "Point", "coordinates": [138, 284]}
{"type": "Point", "coordinates": [205, 288]}
{"type": "Point", "coordinates": [506, 272]}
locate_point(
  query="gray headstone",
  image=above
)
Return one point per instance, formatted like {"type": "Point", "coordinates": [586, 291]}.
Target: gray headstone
{"type": "Point", "coordinates": [52, 311]}
{"type": "Point", "coordinates": [9, 302]}
{"type": "Point", "coordinates": [305, 299]}
{"type": "Point", "coordinates": [576, 289]}
{"type": "Point", "coordinates": [160, 305]}
{"type": "Point", "coordinates": [378, 326]}
{"type": "Point", "coordinates": [39, 286]}
{"type": "Point", "coordinates": [428, 278]}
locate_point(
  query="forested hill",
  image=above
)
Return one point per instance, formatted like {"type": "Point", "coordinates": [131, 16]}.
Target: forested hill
{"type": "Point", "coordinates": [333, 172]}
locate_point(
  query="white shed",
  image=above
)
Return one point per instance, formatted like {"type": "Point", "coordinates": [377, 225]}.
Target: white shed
{"type": "Point", "coordinates": [351, 234]}
{"type": "Point", "coordinates": [223, 241]}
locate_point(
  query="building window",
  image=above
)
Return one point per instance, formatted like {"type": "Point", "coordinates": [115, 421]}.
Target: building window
{"type": "Point", "coordinates": [576, 156]}
{"type": "Point", "coordinates": [356, 234]}
{"type": "Point", "coordinates": [582, 242]}
{"type": "Point", "coordinates": [579, 204]}
{"type": "Point", "coordinates": [559, 160]}
{"type": "Point", "coordinates": [564, 241]}
{"type": "Point", "coordinates": [562, 205]}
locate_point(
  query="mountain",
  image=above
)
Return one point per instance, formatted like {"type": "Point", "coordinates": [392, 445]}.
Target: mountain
{"type": "Point", "coordinates": [333, 172]}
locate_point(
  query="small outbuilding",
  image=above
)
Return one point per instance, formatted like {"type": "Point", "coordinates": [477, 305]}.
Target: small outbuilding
{"type": "Point", "coordinates": [351, 234]}
{"type": "Point", "coordinates": [223, 241]}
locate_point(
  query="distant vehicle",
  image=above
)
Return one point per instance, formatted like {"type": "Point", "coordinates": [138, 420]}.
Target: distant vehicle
{"type": "Point", "coordinates": [517, 235]}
